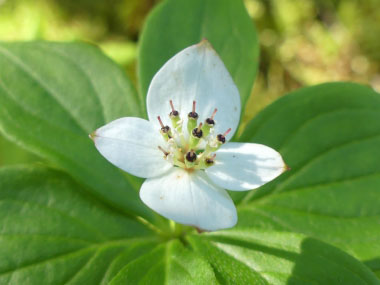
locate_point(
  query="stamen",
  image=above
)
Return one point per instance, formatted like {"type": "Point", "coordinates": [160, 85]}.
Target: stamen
{"type": "Point", "coordinates": [227, 132]}
{"type": "Point", "coordinates": [164, 151]}
{"type": "Point", "coordinates": [174, 112]}
{"type": "Point", "coordinates": [210, 160]}
{"type": "Point", "coordinates": [193, 114]}
{"type": "Point", "coordinates": [159, 119]}
{"type": "Point", "coordinates": [197, 132]}
{"type": "Point", "coordinates": [192, 121]}
{"type": "Point", "coordinates": [221, 138]}
{"type": "Point", "coordinates": [213, 114]}
{"type": "Point", "coordinates": [164, 129]}
{"type": "Point", "coordinates": [171, 105]}
{"type": "Point", "coordinates": [187, 152]}
{"type": "Point", "coordinates": [210, 121]}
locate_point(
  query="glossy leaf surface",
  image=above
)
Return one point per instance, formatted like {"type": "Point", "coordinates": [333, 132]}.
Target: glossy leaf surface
{"type": "Point", "coordinates": [52, 96]}
{"type": "Point", "coordinates": [52, 232]}
{"type": "Point", "coordinates": [329, 135]}
{"type": "Point", "coordinates": [251, 256]}
{"type": "Point", "coordinates": [177, 24]}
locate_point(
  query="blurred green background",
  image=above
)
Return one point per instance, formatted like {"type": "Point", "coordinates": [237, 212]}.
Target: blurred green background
{"type": "Point", "coordinates": [303, 42]}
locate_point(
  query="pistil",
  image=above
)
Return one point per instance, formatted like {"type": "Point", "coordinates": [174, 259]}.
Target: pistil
{"type": "Point", "coordinates": [190, 159]}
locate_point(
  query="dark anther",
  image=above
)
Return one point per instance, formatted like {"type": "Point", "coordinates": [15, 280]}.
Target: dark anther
{"type": "Point", "coordinates": [165, 129]}
{"type": "Point", "coordinates": [174, 112]}
{"type": "Point", "coordinates": [210, 160]}
{"type": "Point", "coordinates": [191, 156]}
{"type": "Point", "coordinates": [221, 138]}
{"type": "Point", "coordinates": [193, 115]}
{"type": "Point", "coordinates": [197, 132]}
{"type": "Point", "coordinates": [210, 121]}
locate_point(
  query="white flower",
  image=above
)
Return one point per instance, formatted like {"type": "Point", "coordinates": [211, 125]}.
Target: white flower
{"type": "Point", "coordinates": [186, 166]}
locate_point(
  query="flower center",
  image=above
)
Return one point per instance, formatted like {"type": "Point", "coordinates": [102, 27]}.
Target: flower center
{"type": "Point", "coordinates": [193, 147]}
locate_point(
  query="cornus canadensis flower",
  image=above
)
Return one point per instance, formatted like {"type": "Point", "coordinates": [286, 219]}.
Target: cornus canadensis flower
{"type": "Point", "coordinates": [183, 150]}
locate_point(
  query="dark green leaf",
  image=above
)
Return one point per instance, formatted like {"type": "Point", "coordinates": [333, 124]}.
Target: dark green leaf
{"type": "Point", "coordinates": [52, 233]}
{"type": "Point", "coordinates": [177, 24]}
{"type": "Point", "coordinates": [252, 256]}
{"type": "Point", "coordinates": [170, 263]}
{"type": "Point", "coordinates": [52, 96]}
{"type": "Point", "coordinates": [330, 136]}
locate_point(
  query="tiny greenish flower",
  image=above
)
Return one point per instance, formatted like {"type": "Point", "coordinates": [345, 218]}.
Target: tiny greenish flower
{"type": "Point", "coordinates": [183, 149]}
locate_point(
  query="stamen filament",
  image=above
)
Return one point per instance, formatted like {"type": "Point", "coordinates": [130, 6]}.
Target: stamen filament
{"type": "Point", "coordinates": [174, 117]}
{"type": "Point", "coordinates": [164, 151]}
{"type": "Point", "coordinates": [213, 113]}
{"type": "Point", "coordinates": [227, 132]}
{"type": "Point", "coordinates": [186, 151]}
{"type": "Point", "coordinates": [161, 124]}
{"type": "Point", "coordinates": [171, 105]}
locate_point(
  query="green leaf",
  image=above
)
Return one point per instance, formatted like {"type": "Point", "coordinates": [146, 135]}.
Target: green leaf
{"type": "Point", "coordinates": [252, 256]}
{"type": "Point", "coordinates": [52, 233]}
{"type": "Point", "coordinates": [10, 153]}
{"type": "Point", "coordinates": [176, 24]}
{"type": "Point", "coordinates": [170, 263]}
{"type": "Point", "coordinates": [329, 135]}
{"type": "Point", "coordinates": [52, 96]}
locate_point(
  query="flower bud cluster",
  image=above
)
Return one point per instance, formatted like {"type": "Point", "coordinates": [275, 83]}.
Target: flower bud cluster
{"type": "Point", "coordinates": [195, 149]}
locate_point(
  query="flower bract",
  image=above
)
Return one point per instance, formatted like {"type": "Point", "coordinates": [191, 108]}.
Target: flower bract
{"type": "Point", "coordinates": [183, 149]}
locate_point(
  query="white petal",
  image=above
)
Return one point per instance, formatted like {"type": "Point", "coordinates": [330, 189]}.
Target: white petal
{"type": "Point", "coordinates": [132, 145]}
{"type": "Point", "coordinates": [189, 198]}
{"type": "Point", "coordinates": [245, 166]}
{"type": "Point", "coordinates": [196, 73]}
